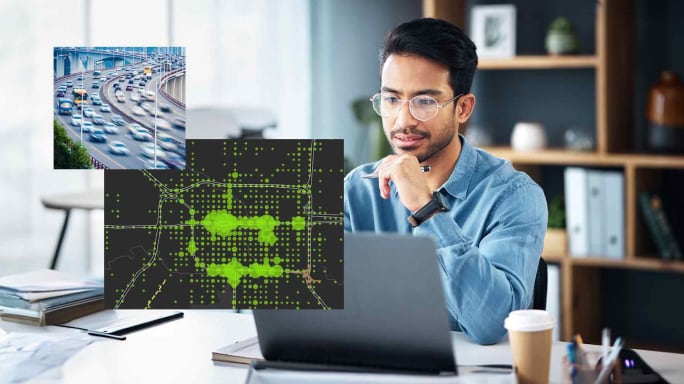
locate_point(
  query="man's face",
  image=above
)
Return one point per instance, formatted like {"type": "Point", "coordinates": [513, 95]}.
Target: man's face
{"type": "Point", "coordinates": [406, 77]}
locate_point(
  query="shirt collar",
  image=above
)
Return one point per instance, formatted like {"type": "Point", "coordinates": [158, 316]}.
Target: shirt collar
{"type": "Point", "coordinates": [457, 184]}
{"type": "Point", "coordinates": [459, 181]}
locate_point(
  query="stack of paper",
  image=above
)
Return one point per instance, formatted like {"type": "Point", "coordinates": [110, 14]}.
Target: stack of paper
{"type": "Point", "coordinates": [47, 297]}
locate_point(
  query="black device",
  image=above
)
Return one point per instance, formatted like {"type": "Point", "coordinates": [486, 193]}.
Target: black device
{"type": "Point", "coordinates": [437, 204]}
{"type": "Point", "coordinates": [394, 316]}
{"type": "Point", "coordinates": [636, 370]}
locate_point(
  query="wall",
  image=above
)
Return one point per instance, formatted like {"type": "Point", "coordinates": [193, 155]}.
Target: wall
{"type": "Point", "coordinates": [346, 39]}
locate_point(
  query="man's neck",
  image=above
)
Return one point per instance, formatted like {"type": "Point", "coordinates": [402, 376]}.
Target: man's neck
{"type": "Point", "coordinates": [442, 164]}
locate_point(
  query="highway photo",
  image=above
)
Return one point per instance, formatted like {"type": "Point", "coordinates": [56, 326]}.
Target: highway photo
{"type": "Point", "coordinates": [125, 105]}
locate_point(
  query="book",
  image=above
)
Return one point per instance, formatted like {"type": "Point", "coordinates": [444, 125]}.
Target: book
{"type": "Point", "coordinates": [658, 224]}
{"type": "Point", "coordinates": [54, 315]}
{"type": "Point", "coordinates": [614, 212]}
{"type": "Point", "coordinates": [576, 211]}
{"type": "Point", "coordinates": [596, 217]}
{"type": "Point", "coordinates": [241, 352]}
{"type": "Point", "coordinates": [47, 297]}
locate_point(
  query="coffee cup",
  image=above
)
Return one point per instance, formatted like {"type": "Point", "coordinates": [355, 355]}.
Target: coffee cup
{"type": "Point", "coordinates": [530, 334]}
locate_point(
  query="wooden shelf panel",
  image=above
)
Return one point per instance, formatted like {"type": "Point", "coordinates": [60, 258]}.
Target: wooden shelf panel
{"type": "Point", "coordinates": [566, 157]}
{"type": "Point", "coordinates": [539, 62]}
{"type": "Point", "coordinates": [639, 263]}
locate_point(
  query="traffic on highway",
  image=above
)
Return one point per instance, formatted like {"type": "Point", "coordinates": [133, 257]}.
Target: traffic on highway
{"type": "Point", "coordinates": [124, 112]}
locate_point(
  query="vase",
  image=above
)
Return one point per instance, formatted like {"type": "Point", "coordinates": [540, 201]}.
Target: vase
{"type": "Point", "coordinates": [528, 136]}
{"type": "Point", "coordinates": [665, 114]}
{"type": "Point", "coordinates": [561, 43]}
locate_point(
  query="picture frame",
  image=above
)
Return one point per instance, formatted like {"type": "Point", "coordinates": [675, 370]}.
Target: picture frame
{"type": "Point", "coordinates": [492, 29]}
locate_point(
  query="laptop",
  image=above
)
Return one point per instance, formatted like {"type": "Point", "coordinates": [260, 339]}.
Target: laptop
{"type": "Point", "coordinates": [394, 316]}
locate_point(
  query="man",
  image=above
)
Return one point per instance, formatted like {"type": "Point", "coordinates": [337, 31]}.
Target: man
{"type": "Point", "coordinates": [487, 219]}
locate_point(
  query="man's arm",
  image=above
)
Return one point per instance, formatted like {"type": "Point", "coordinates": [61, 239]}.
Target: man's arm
{"type": "Point", "coordinates": [484, 283]}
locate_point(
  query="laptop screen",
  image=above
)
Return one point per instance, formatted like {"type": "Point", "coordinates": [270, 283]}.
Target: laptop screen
{"type": "Point", "coordinates": [394, 315]}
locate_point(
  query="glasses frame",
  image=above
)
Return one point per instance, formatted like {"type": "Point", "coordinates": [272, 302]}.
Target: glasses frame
{"type": "Point", "coordinates": [404, 101]}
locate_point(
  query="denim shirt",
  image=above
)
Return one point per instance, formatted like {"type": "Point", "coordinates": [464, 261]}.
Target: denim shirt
{"type": "Point", "coordinates": [488, 242]}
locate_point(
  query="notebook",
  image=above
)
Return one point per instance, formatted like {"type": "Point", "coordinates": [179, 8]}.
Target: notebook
{"type": "Point", "coordinates": [394, 317]}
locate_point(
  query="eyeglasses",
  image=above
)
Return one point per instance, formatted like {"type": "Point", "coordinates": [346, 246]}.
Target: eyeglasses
{"type": "Point", "coordinates": [422, 107]}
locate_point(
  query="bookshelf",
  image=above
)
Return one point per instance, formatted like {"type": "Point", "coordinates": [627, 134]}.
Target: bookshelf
{"type": "Point", "coordinates": [614, 92]}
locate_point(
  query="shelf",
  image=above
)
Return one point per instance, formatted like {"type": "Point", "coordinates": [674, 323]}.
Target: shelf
{"type": "Point", "coordinates": [539, 62]}
{"type": "Point", "coordinates": [644, 264]}
{"type": "Point", "coordinates": [566, 157]}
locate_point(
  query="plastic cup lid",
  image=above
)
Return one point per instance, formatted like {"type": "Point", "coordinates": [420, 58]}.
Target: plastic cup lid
{"type": "Point", "coordinates": [529, 320]}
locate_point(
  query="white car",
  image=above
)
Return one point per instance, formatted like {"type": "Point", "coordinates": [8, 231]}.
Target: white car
{"type": "Point", "coordinates": [88, 111]}
{"type": "Point", "coordinates": [118, 148]}
{"type": "Point", "coordinates": [105, 108]}
{"type": "Point", "coordinates": [138, 111]}
{"type": "Point", "coordinates": [148, 150]}
{"type": "Point", "coordinates": [139, 133]}
{"type": "Point", "coordinates": [87, 126]}
{"type": "Point", "coordinates": [76, 120]}
{"type": "Point", "coordinates": [162, 124]}
{"type": "Point", "coordinates": [109, 127]}
{"type": "Point", "coordinates": [149, 95]}
{"type": "Point", "coordinates": [135, 97]}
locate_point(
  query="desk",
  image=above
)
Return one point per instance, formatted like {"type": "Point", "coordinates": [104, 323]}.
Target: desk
{"type": "Point", "coordinates": [81, 200]}
{"type": "Point", "coordinates": [180, 352]}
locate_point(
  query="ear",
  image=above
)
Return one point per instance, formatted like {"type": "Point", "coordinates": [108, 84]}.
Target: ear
{"type": "Point", "coordinates": [465, 106]}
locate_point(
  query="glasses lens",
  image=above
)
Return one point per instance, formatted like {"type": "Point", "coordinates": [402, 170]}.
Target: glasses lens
{"type": "Point", "coordinates": [424, 107]}
{"type": "Point", "coordinates": [386, 104]}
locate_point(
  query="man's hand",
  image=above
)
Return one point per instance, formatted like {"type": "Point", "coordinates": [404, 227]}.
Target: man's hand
{"type": "Point", "coordinates": [404, 171]}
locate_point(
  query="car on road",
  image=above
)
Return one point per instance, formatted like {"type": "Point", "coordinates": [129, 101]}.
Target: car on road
{"type": "Point", "coordinates": [62, 88]}
{"type": "Point", "coordinates": [179, 122]}
{"type": "Point", "coordinates": [131, 81]}
{"type": "Point", "coordinates": [103, 79]}
{"type": "Point", "coordinates": [76, 120]}
{"type": "Point", "coordinates": [134, 97]}
{"type": "Point", "coordinates": [165, 108]}
{"type": "Point", "coordinates": [109, 127]}
{"type": "Point", "coordinates": [118, 120]}
{"type": "Point", "coordinates": [118, 148]}
{"type": "Point", "coordinates": [79, 78]}
{"type": "Point", "coordinates": [148, 108]}
{"type": "Point", "coordinates": [150, 164]}
{"type": "Point", "coordinates": [142, 83]}
{"type": "Point", "coordinates": [69, 83]}
{"type": "Point", "coordinates": [60, 94]}
{"type": "Point", "coordinates": [121, 79]}
{"type": "Point", "coordinates": [139, 133]}
{"type": "Point", "coordinates": [98, 120]}
{"type": "Point", "coordinates": [137, 110]}
{"type": "Point", "coordinates": [105, 108]}
{"type": "Point", "coordinates": [88, 111]}
{"type": "Point", "coordinates": [161, 123]}
{"type": "Point", "coordinates": [87, 126]}
{"type": "Point", "coordinates": [148, 150]}
{"type": "Point", "coordinates": [96, 85]}
{"type": "Point", "coordinates": [116, 86]}
{"type": "Point", "coordinates": [129, 87]}
{"type": "Point", "coordinates": [149, 95]}
{"type": "Point", "coordinates": [167, 142]}
{"type": "Point", "coordinates": [98, 136]}
{"type": "Point", "coordinates": [96, 100]}
{"type": "Point", "coordinates": [174, 160]}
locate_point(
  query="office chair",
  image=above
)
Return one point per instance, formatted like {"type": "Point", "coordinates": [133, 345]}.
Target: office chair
{"type": "Point", "coordinates": [540, 286]}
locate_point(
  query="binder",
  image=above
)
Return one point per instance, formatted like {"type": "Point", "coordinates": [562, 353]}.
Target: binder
{"type": "Point", "coordinates": [614, 209]}
{"type": "Point", "coordinates": [576, 211]}
{"type": "Point", "coordinates": [596, 219]}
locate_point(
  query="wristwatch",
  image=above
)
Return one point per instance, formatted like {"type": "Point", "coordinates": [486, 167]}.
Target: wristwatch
{"type": "Point", "coordinates": [437, 204]}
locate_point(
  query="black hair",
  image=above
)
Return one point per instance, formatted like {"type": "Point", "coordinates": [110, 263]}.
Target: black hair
{"type": "Point", "coordinates": [437, 40]}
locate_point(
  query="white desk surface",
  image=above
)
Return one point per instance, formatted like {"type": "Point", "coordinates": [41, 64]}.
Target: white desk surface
{"type": "Point", "coordinates": [180, 352]}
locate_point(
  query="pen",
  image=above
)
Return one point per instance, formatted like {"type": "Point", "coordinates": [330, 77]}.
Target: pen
{"type": "Point", "coordinates": [374, 175]}
{"type": "Point", "coordinates": [607, 365]}
{"type": "Point", "coordinates": [93, 332]}
{"type": "Point", "coordinates": [605, 343]}
{"type": "Point", "coordinates": [109, 335]}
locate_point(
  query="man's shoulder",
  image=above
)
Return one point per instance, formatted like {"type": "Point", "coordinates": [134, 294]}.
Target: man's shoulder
{"type": "Point", "coordinates": [500, 171]}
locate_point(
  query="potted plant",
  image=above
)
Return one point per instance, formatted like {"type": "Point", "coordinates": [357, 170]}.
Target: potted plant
{"type": "Point", "coordinates": [561, 38]}
{"type": "Point", "coordinates": [556, 240]}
